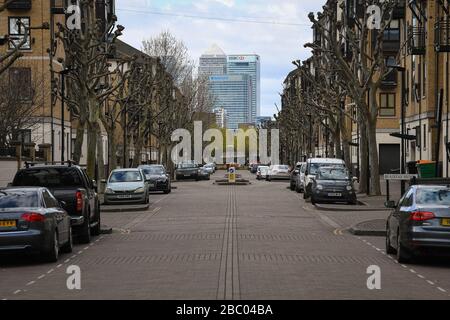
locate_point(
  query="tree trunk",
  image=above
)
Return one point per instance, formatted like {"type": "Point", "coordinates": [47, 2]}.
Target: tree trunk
{"type": "Point", "coordinates": [363, 160]}
{"type": "Point", "coordinates": [91, 149]}
{"type": "Point", "coordinates": [112, 150]}
{"type": "Point", "coordinates": [337, 144]}
{"type": "Point", "coordinates": [100, 156]}
{"type": "Point", "coordinates": [79, 140]}
{"type": "Point", "coordinates": [375, 188]}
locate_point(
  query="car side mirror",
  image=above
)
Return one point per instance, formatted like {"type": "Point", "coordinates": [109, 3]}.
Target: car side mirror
{"type": "Point", "coordinates": [390, 204]}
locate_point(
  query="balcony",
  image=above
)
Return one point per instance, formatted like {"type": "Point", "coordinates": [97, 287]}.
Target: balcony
{"type": "Point", "coordinates": [19, 5]}
{"type": "Point", "coordinates": [442, 36]}
{"type": "Point", "coordinates": [416, 41]}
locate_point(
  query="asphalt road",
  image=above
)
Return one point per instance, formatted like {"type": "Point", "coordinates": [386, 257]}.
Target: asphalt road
{"type": "Point", "coordinates": [219, 242]}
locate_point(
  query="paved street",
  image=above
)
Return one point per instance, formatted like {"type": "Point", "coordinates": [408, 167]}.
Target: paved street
{"type": "Point", "coordinates": [219, 242]}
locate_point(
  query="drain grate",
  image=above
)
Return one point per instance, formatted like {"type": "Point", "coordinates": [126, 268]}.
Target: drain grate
{"type": "Point", "coordinates": [284, 258]}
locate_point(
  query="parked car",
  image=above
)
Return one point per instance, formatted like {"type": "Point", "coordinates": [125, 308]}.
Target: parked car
{"type": "Point", "coordinates": [127, 186]}
{"type": "Point", "coordinates": [294, 175]}
{"type": "Point", "coordinates": [253, 168]}
{"type": "Point", "coordinates": [33, 221]}
{"type": "Point", "coordinates": [210, 168]}
{"type": "Point", "coordinates": [420, 223]}
{"type": "Point", "coordinates": [312, 166]}
{"type": "Point", "coordinates": [157, 178]}
{"type": "Point", "coordinates": [71, 185]}
{"type": "Point", "coordinates": [278, 172]}
{"type": "Point", "coordinates": [300, 179]}
{"type": "Point", "coordinates": [261, 173]}
{"type": "Point", "coordinates": [188, 170]}
{"type": "Point", "coordinates": [333, 184]}
{"type": "Point", "coordinates": [204, 174]}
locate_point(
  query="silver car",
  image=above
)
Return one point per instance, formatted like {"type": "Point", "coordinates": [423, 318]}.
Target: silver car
{"type": "Point", "coordinates": [127, 186]}
{"type": "Point", "coordinates": [278, 172]}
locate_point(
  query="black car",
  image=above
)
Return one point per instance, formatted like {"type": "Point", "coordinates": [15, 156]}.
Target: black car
{"type": "Point", "coordinates": [419, 223]}
{"type": "Point", "coordinates": [33, 221]}
{"type": "Point", "coordinates": [332, 184]}
{"type": "Point", "coordinates": [157, 177]}
{"type": "Point", "coordinates": [188, 171]}
{"type": "Point", "coordinates": [69, 184]}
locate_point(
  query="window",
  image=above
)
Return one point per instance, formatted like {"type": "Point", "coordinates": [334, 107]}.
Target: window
{"type": "Point", "coordinates": [20, 83]}
{"type": "Point", "coordinates": [387, 105]}
{"type": "Point", "coordinates": [17, 32]}
{"type": "Point", "coordinates": [50, 201]}
{"type": "Point", "coordinates": [392, 32]}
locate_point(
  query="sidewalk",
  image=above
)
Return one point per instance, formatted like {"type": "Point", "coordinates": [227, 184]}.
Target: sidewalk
{"type": "Point", "coordinates": [369, 217]}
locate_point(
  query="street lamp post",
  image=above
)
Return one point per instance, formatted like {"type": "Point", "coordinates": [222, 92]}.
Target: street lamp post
{"type": "Point", "coordinates": [310, 134]}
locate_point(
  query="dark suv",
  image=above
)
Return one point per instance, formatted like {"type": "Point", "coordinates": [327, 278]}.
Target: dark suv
{"type": "Point", "coordinates": [71, 186]}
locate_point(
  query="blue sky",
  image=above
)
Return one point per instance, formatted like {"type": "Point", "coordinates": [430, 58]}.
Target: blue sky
{"type": "Point", "coordinates": [277, 44]}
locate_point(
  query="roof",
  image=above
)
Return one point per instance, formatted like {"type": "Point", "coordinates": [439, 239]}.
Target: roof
{"type": "Point", "coordinates": [125, 50]}
{"type": "Point", "coordinates": [214, 50]}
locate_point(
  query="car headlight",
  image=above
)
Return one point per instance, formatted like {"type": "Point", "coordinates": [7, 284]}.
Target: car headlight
{"type": "Point", "coordinates": [349, 188]}
{"type": "Point", "coordinates": [140, 190]}
{"type": "Point", "coordinates": [319, 187]}
{"type": "Point", "coordinates": [109, 191]}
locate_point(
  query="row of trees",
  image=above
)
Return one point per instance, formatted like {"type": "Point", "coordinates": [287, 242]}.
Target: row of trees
{"type": "Point", "coordinates": [145, 95]}
{"type": "Point", "coordinates": [346, 69]}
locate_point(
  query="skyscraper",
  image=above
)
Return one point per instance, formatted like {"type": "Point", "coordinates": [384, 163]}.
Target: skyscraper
{"type": "Point", "coordinates": [213, 62]}
{"type": "Point", "coordinates": [232, 93]}
{"type": "Point", "coordinates": [248, 64]}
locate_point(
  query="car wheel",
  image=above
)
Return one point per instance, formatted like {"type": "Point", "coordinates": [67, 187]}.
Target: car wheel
{"type": "Point", "coordinates": [68, 247]}
{"type": "Point", "coordinates": [292, 187]}
{"type": "Point", "coordinates": [53, 254]}
{"type": "Point", "coordinates": [97, 229]}
{"type": "Point", "coordinates": [402, 255]}
{"type": "Point", "coordinates": [389, 248]}
{"type": "Point", "coordinates": [85, 233]}
{"type": "Point", "coordinates": [313, 201]}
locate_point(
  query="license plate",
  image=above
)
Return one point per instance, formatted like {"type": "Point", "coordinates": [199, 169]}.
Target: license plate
{"type": "Point", "coordinates": [187, 175]}
{"type": "Point", "coordinates": [8, 224]}
{"type": "Point", "coordinates": [127, 196]}
{"type": "Point", "coordinates": [446, 222]}
{"type": "Point", "coordinates": [335, 194]}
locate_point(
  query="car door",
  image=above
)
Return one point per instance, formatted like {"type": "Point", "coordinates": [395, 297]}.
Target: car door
{"type": "Point", "coordinates": [396, 217]}
{"type": "Point", "coordinates": [57, 214]}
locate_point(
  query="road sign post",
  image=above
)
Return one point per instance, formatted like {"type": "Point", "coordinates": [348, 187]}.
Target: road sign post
{"type": "Point", "coordinates": [232, 175]}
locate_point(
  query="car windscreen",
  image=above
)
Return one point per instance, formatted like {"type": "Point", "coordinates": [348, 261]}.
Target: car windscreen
{"type": "Point", "coordinates": [157, 171]}
{"type": "Point", "coordinates": [433, 196]}
{"type": "Point", "coordinates": [125, 176]}
{"type": "Point", "coordinates": [333, 174]}
{"type": "Point", "coordinates": [281, 167]}
{"type": "Point", "coordinates": [314, 167]}
{"type": "Point", "coordinates": [49, 178]}
{"type": "Point", "coordinates": [18, 199]}
{"type": "Point", "coordinates": [187, 166]}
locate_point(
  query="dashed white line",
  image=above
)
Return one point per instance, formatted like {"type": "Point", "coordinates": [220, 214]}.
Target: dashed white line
{"type": "Point", "coordinates": [59, 265]}
{"type": "Point", "coordinates": [31, 283]}
{"type": "Point", "coordinates": [67, 260]}
{"type": "Point", "coordinates": [42, 276]}
{"type": "Point", "coordinates": [50, 271]}
{"type": "Point", "coordinates": [442, 290]}
{"type": "Point", "coordinates": [17, 291]}
{"type": "Point", "coordinates": [421, 276]}
{"type": "Point", "coordinates": [430, 282]}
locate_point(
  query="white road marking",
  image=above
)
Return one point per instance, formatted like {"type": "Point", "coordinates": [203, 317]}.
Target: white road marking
{"type": "Point", "coordinates": [59, 265]}
{"type": "Point", "coordinates": [421, 276]}
{"type": "Point", "coordinates": [17, 291]}
{"type": "Point", "coordinates": [430, 282]}
{"type": "Point", "coordinates": [42, 276]}
{"type": "Point", "coordinates": [31, 283]}
{"type": "Point", "coordinates": [50, 271]}
{"type": "Point", "coordinates": [442, 290]}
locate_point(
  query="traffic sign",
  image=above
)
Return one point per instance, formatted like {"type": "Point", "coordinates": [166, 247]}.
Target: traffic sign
{"type": "Point", "coordinates": [400, 177]}
{"type": "Point", "coordinates": [232, 175]}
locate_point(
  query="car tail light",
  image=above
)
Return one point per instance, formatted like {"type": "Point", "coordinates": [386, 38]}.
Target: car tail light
{"type": "Point", "coordinates": [32, 217]}
{"type": "Point", "coordinates": [79, 201]}
{"type": "Point", "coordinates": [422, 216]}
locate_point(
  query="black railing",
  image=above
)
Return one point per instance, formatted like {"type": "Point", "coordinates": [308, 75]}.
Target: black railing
{"type": "Point", "coordinates": [416, 41]}
{"type": "Point", "coordinates": [40, 154]}
{"type": "Point", "coordinates": [442, 38]}
{"type": "Point", "coordinates": [8, 152]}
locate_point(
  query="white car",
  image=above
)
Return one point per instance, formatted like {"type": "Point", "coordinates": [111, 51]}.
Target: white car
{"type": "Point", "coordinates": [311, 168]}
{"type": "Point", "coordinates": [278, 172]}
